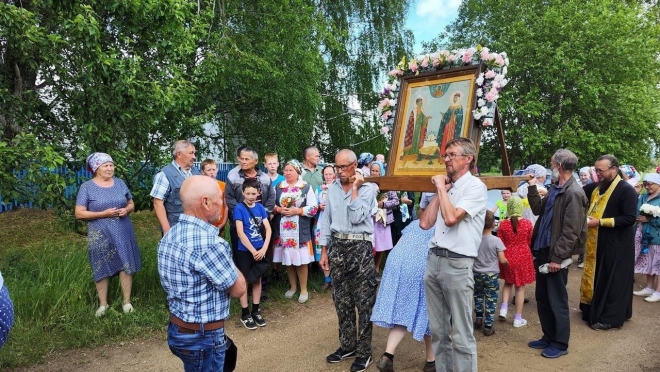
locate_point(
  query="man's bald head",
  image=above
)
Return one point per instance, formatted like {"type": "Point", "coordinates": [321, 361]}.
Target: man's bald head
{"type": "Point", "coordinates": [345, 163]}
{"type": "Point", "coordinates": [201, 197]}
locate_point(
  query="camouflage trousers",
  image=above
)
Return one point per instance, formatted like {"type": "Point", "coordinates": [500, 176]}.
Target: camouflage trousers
{"type": "Point", "coordinates": [353, 286]}
{"type": "Point", "coordinates": [486, 292]}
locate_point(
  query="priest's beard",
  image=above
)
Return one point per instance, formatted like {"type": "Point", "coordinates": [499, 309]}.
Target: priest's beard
{"type": "Point", "coordinates": [604, 185]}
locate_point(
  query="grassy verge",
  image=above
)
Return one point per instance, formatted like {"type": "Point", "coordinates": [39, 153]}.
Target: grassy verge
{"type": "Point", "coordinates": [50, 281]}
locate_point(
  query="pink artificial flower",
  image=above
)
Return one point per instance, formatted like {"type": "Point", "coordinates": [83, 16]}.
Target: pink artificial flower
{"type": "Point", "coordinates": [488, 123]}
{"type": "Point", "coordinates": [382, 104]}
{"type": "Point", "coordinates": [490, 74]}
{"type": "Point", "coordinates": [490, 97]}
{"type": "Point", "coordinates": [499, 60]}
{"type": "Point", "coordinates": [467, 56]}
{"type": "Point", "coordinates": [436, 62]}
{"type": "Point", "coordinates": [384, 130]}
{"type": "Point", "coordinates": [396, 72]}
{"type": "Point", "coordinates": [413, 66]}
{"type": "Point", "coordinates": [386, 115]}
{"type": "Point", "coordinates": [425, 62]}
{"type": "Point", "coordinates": [451, 58]}
{"type": "Point", "coordinates": [494, 91]}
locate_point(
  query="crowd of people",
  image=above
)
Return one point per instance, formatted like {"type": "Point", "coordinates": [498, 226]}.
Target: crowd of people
{"type": "Point", "coordinates": [446, 262]}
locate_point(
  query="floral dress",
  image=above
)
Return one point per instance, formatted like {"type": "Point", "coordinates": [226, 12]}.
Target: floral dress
{"type": "Point", "coordinates": [647, 255]}
{"type": "Point", "coordinates": [290, 246]}
{"type": "Point", "coordinates": [520, 270]}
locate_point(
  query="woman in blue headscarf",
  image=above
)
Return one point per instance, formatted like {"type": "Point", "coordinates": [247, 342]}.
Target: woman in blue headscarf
{"type": "Point", "coordinates": [384, 217]}
{"type": "Point", "coordinates": [364, 162]}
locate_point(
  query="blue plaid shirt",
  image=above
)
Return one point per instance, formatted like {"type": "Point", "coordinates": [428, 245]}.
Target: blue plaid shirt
{"type": "Point", "coordinates": [196, 271]}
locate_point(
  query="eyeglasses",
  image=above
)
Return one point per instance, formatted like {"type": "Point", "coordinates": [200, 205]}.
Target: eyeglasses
{"type": "Point", "coordinates": [451, 155]}
{"type": "Point", "coordinates": [648, 183]}
{"type": "Point", "coordinates": [343, 167]}
{"type": "Point", "coordinates": [602, 170]}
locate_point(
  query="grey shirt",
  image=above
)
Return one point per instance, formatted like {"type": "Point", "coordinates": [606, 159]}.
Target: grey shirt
{"type": "Point", "coordinates": [345, 216]}
{"type": "Point", "coordinates": [486, 261]}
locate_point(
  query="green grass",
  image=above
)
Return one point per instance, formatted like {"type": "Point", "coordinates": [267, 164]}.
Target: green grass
{"type": "Point", "coordinates": [50, 282]}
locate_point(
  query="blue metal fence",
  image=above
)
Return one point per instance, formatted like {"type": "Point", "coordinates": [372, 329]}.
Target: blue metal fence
{"type": "Point", "coordinates": [82, 175]}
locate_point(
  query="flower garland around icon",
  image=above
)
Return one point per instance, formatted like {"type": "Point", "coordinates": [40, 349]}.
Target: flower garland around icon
{"type": "Point", "coordinates": [489, 83]}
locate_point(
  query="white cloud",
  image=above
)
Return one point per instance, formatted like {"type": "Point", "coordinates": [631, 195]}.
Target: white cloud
{"type": "Point", "coordinates": [434, 10]}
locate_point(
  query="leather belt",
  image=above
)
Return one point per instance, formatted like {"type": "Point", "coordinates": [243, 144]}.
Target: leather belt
{"type": "Point", "coordinates": [361, 236]}
{"type": "Point", "coordinates": [194, 327]}
{"type": "Point", "coordinates": [444, 252]}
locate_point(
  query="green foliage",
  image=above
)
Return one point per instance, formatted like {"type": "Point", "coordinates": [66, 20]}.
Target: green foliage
{"type": "Point", "coordinates": [583, 76]}
{"type": "Point", "coordinates": [38, 181]}
{"type": "Point", "coordinates": [130, 77]}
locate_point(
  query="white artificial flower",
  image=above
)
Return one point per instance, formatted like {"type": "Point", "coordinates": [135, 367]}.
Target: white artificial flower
{"type": "Point", "coordinates": [499, 77]}
{"type": "Point", "coordinates": [480, 79]}
{"type": "Point", "coordinates": [483, 110]}
{"type": "Point", "coordinates": [392, 102]}
{"type": "Point", "coordinates": [481, 102]}
{"type": "Point", "coordinates": [504, 70]}
{"type": "Point", "coordinates": [480, 92]}
{"type": "Point", "coordinates": [477, 114]}
{"type": "Point", "coordinates": [504, 82]}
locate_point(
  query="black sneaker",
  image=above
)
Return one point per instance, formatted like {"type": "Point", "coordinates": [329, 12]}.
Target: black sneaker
{"type": "Point", "coordinates": [340, 355]}
{"type": "Point", "coordinates": [258, 319]}
{"type": "Point", "coordinates": [248, 322]}
{"type": "Point", "coordinates": [360, 364]}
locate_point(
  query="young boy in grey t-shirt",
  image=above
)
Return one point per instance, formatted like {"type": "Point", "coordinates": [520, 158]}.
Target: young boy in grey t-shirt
{"type": "Point", "coordinates": [487, 276]}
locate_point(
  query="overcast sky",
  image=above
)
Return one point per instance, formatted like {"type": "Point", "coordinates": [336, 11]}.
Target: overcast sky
{"type": "Point", "coordinates": [427, 18]}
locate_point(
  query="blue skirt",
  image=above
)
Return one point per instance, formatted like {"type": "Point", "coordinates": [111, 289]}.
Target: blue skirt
{"type": "Point", "coordinates": [6, 315]}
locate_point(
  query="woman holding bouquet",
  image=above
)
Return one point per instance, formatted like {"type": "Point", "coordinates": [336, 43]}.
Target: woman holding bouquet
{"type": "Point", "coordinates": [321, 194]}
{"type": "Point", "coordinates": [383, 218]}
{"type": "Point", "coordinates": [647, 238]}
{"type": "Point", "coordinates": [295, 207]}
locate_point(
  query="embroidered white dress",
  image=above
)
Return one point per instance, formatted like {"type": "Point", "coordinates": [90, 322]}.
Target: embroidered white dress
{"type": "Point", "coordinates": [289, 250]}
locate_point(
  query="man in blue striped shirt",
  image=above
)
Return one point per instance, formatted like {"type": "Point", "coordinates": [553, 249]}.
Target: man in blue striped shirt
{"type": "Point", "coordinates": [198, 275]}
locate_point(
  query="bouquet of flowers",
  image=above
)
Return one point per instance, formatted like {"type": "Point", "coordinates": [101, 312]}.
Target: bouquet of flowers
{"type": "Point", "coordinates": [649, 210]}
{"type": "Point", "coordinates": [288, 201]}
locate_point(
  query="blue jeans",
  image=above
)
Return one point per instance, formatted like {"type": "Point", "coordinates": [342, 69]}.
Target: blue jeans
{"type": "Point", "coordinates": [202, 351]}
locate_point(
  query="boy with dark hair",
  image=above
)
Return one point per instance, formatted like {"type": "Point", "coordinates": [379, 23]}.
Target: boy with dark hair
{"type": "Point", "coordinates": [249, 216]}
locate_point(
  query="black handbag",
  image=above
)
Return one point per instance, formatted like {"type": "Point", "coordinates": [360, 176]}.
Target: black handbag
{"type": "Point", "coordinates": [262, 228]}
{"type": "Point", "coordinates": [231, 355]}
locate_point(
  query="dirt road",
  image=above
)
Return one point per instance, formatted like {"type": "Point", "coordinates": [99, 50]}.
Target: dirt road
{"type": "Point", "coordinates": [298, 338]}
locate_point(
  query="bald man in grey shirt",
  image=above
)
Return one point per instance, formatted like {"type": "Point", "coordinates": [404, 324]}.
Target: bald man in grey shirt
{"type": "Point", "coordinates": [347, 251]}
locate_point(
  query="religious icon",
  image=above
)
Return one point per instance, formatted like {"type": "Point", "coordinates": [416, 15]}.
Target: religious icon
{"type": "Point", "coordinates": [433, 110]}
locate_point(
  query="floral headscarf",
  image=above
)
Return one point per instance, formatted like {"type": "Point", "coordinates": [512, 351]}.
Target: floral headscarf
{"type": "Point", "coordinates": [536, 169]}
{"type": "Point", "coordinates": [381, 166]}
{"type": "Point", "coordinates": [629, 170]}
{"type": "Point", "coordinates": [296, 165]}
{"type": "Point", "coordinates": [97, 159]}
{"type": "Point", "coordinates": [514, 207]}
{"type": "Point", "coordinates": [364, 159]}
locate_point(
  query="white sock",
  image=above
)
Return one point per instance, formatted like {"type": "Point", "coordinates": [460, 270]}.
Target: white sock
{"type": "Point", "coordinates": [650, 289]}
{"type": "Point", "coordinates": [656, 293]}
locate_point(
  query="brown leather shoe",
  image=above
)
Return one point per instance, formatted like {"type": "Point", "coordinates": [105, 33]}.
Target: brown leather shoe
{"type": "Point", "coordinates": [478, 322]}
{"type": "Point", "coordinates": [489, 331]}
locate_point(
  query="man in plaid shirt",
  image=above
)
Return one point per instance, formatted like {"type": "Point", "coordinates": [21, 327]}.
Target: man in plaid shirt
{"type": "Point", "coordinates": [198, 275]}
